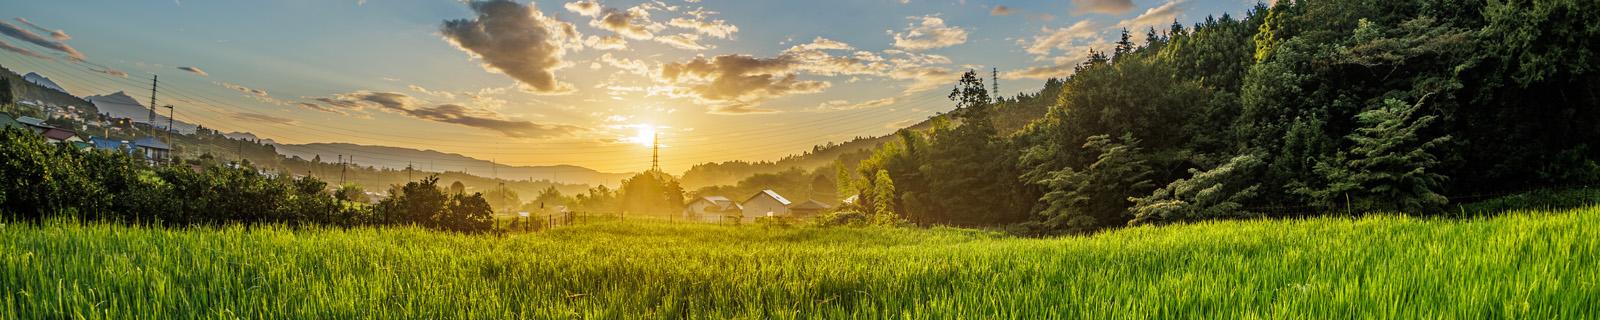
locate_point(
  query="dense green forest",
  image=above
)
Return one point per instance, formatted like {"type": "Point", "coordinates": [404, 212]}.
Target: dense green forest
{"type": "Point", "coordinates": [1303, 108]}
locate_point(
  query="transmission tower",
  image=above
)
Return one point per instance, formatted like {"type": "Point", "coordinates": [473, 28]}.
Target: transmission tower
{"type": "Point", "coordinates": [152, 122]}
{"type": "Point", "coordinates": [994, 76]}
{"type": "Point", "coordinates": [655, 155]}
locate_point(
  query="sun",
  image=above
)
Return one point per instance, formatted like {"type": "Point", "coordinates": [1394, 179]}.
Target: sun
{"type": "Point", "coordinates": [646, 135]}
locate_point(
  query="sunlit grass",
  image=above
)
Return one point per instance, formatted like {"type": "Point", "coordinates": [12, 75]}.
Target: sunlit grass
{"type": "Point", "coordinates": [1529, 265]}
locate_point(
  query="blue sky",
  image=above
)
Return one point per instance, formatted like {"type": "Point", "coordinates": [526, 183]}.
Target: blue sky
{"type": "Point", "coordinates": [559, 82]}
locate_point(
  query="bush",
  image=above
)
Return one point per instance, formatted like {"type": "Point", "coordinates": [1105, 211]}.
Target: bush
{"type": "Point", "coordinates": [776, 221]}
{"type": "Point", "coordinates": [843, 218]}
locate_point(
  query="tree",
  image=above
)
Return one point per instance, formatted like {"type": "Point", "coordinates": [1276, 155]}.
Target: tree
{"type": "Point", "coordinates": [458, 188]}
{"type": "Point", "coordinates": [842, 181]}
{"type": "Point", "coordinates": [352, 192]}
{"type": "Point", "coordinates": [1212, 194]}
{"type": "Point", "coordinates": [1388, 169]}
{"type": "Point", "coordinates": [883, 195]}
{"type": "Point", "coordinates": [1096, 196]}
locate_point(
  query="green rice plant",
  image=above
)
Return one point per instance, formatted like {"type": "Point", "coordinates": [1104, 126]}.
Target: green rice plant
{"type": "Point", "coordinates": [1520, 265]}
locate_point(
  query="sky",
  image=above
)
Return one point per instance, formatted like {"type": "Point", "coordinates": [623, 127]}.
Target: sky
{"type": "Point", "coordinates": [588, 83]}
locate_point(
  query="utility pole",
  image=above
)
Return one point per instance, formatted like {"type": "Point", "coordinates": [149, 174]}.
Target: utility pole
{"type": "Point", "coordinates": [171, 112]}
{"type": "Point", "coordinates": [341, 169]}
{"type": "Point", "coordinates": [153, 103]}
{"type": "Point", "coordinates": [408, 171]}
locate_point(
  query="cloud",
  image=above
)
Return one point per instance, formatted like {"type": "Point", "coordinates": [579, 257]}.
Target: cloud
{"type": "Point", "coordinates": [240, 88]}
{"type": "Point", "coordinates": [194, 70]}
{"type": "Point", "coordinates": [923, 79]}
{"type": "Point", "coordinates": [1102, 6]}
{"type": "Point", "coordinates": [633, 23]}
{"type": "Point", "coordinates": [737, 82]}
{"type": "Point", "coordinates": [57, 34]}
{"type": "Point", "coordinates": [841, 105]}
{"type": "Point", "coordinates": [1061, 38]}
{"type": "Point", "coordinates": [903, 123]}
{"type": "Point", "coordinates": [685, 41]}
{"type": "Point", "coordinates": [22, 51]}
{"type": "Point", "coordinates": [932, 34]}
{"type": "Point", "coordinates": [402, 104]}
{"type": "Point", "coordinates": [632, 66]}
{"type": "Point", "coordinates": [584, 8]}
{"type": "Point", "coordinates": [606, 42]}
{"type": "Point", "coordinates": [109, 70]}
{"type": "Point", "coordinates": [821, 43]}
{"type": "Point", "coordinates": [516, 40]}
{"type": "Point", "coordinates": [1004, 11]}
{"type": "Point", "coordinates": [13, 31]}
{"type": "Point", "coordinates": [1163, 15]}
{"type": "Point", "coordinates": [445, 94]}
{"type": "Point", "coordinates": [714, 28]}
{"type": "Point", "coordinates": [255, 118]}
{"type": "Point", "coordinates": [319, 107]}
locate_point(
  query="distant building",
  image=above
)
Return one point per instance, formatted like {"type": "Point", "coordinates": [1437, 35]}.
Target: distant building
{"type": "Point", "coordinates": [765, 203]}
{"type": "Point", "coordinates": [151, 149]}
{"type": "Point", "coordinates": [807, 210]}
{"type": "Point", "coordinates": [36, 124]}
{"type": "Point", "coordinates": [711, 209]}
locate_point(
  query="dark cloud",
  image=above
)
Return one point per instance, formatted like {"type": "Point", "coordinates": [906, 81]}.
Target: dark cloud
{"type": "Point", "coordinates": [516, 40]}
{"type": "Point", "coordinates": [632, 23]}
{"type": "Point", "coordinates": [738, 82]}
{"type": "Point", "coordinates": [1102, 6]}
{"type": "Point", "coordinates": [193, 70]}
{"type": "Point", "coordinates": [109, 70]}
{"type": "Point", "coordinates": [22, 51]}
{"type": "Point", "coordinates": [21, 34]}
{"type": "Point", "coordinates": [402, 104]}
{"type": "Point", "coordinates": [489, 120]}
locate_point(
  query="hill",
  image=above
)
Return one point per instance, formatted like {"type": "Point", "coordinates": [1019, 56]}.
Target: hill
{"type": "Point", "coordinates": [395, 158]}
{"type": "Point", "coordinates": [18, 88]}
{"type": "Point", "coordinates": [1527, 265]}
{"type": "Point", "coordinates": [40, 80]}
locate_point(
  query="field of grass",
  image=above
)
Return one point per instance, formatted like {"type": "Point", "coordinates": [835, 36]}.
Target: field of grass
{"type": "Point", "coordinates": [1527, 265]}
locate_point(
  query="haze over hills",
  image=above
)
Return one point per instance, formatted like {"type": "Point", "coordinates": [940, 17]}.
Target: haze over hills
{"type": "Point", "coordinates": [122, 105]}
{"type": "Point", "coordinates": [435, 161]}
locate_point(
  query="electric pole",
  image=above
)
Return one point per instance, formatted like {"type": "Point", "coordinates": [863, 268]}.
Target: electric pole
{"type": "Point", "coordinates": [342, 168]}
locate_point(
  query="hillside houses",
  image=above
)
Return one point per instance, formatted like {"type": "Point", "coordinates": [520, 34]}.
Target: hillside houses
{"type": "Point", "coordinates": [766, 203]}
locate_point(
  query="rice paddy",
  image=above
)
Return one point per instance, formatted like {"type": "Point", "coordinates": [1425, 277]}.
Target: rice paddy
{"type": "Point", "coordinates": [1523, 265]}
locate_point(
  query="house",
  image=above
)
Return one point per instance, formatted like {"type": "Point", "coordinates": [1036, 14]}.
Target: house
{"type": "Point", "coordinates": [807, 210]}
{"type": "Point", "coordinates": [711, 209]}
{"type": "Point", "coordinates": [61, 135]}
{"type": "Point", "coordinates": [108, 144]}
{"type": "Point", "coordinates": [151, 149]}
{"type": "Point", "coordinates": [36, 124]}
{"type": "Point", "coordinates": [765, 203]}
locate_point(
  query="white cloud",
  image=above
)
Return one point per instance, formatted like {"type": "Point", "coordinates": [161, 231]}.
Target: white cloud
{"type": "Point", "coordinates": [1158, 16]}
{"type": "Point", "coordinates": [1061, 38]}
{"type": "Point", "coordinates": [931, 34]}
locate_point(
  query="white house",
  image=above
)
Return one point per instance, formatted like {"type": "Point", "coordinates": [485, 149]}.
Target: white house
{"type": "Point", "coordinates": [765, 203]}
{"type": "Point", "coordinates": [711, 208]}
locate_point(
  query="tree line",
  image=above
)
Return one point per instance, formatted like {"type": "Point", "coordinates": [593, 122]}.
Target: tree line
{"type": "Point", "coordinates": [1304, 107]}
{"type": "Point", "coordinates": [57, 180]}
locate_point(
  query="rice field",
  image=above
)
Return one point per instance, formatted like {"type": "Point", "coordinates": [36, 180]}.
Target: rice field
{"type": "Point", "coordinates": [1525, 265]}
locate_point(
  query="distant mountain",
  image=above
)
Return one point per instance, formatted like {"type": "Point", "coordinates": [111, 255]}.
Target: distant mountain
{"type": "Point", "coordinates": [14, 87]}
{"type": "Point", "coordinates": [42, 81]}
{"type": "Point", "coordinates": [122, 105]}
{"type": "Point", "coordinates": [435, 161]}
{"type": "Point", "coordinates": [248, 136]}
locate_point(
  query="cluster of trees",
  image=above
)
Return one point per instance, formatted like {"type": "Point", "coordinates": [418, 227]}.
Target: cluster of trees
{"type": "Point", "coordinates": [44, 180]}
{"type": "Point", "coordinates": [1305, 107]}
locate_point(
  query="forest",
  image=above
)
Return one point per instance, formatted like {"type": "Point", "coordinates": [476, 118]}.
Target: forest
{"type": "Point", "coordinates": [1299, 109]}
